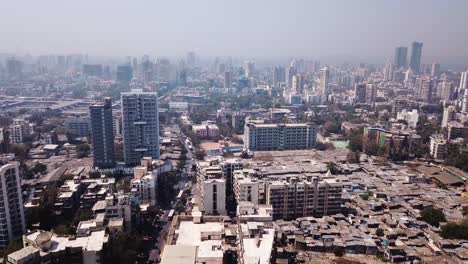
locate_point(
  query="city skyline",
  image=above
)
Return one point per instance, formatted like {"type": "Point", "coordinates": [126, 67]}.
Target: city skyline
{"type": "Point", "coordinates": [261, 29]}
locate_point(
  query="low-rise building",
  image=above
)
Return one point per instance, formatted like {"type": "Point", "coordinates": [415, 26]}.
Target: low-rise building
{"type": "Point", "coordinates": [47, 247]}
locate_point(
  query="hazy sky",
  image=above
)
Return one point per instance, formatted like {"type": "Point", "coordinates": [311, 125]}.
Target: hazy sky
{"type": "Point", "coordinates": [310, 28]}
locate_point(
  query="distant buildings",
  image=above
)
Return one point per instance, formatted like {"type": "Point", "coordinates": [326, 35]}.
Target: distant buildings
{"type": "Point", "coordinates": [12, 224]}
{"type": "Point", "coordinates": [260, 137]}
{"type": "Point", "coordinates": [416, 54]}
{"type": "Point", "coordinates": [140, 119]}
{"type": "Point", "coordinates": [78, 126]}
{"type": "Point", "coordinates": [124, 73]}
{"type": "Point", "coordinates": [206, 130]}
{"type": "Point", "coordinates": [424, 89]}
{"type": "Point", "coordinates": [19, 130]}
{"type": "Point", "coordinates": [102, 132]}
{"type": "Point", "coordinates": [92, 70]}
{"type": "Point", "coordinates": [411, 117]}
{"type": "Point", "coordinates": [400, 59]}
{"type": "Point", "coordinates": [324, 84]}
{"type": "Point", "coordinates": [371, 93]}
{"type": "Point", "coordinates": [249, 69]}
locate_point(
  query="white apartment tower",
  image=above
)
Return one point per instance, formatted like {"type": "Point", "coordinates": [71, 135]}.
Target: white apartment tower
{"type": "Point", "coordinates": [12, 223]}
{"type": "Point", "coordinates": [324, 83]}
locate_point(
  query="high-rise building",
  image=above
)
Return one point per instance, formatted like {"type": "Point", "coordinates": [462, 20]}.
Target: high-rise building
{"type": "Point", "coordinates": [463, 86]}
{"type": "Point", "coordinates": [435, 69]}
{"type": "Point", "coordinates": [400, 60]}
{"type": "Point", "coordinates": [4, 140]}
{"type": "Point", "coordinates": [249, 68]}
{"type": "Point", "coordinates": [140, 120]}
{"type": "Point", "coordinates": [463, 81]}
{"type": "Point", "coordinates": [371, 93]}
{"type": "Point", "coordinates": [102, 133]}
{"type": "Point", "coordinates": [360, 93]}
{"type": "Point", "coordinates": [279, 75]}
{"type": "Point", "coordinates": [227, 80]}
{"type": "Point", "coordinates": [264, 137]}
{"type": "Point", "coordinates": [191, 59]}
{"type": "Point", "coordinates": [424, 88]}
{"type": "Point", "coordinates": [297, 84]}
{"type": "Point", "coordinates": [324, 83]}
{"type": "Point", "coordinates": [12, 223]}
{"type": "Point", "coordinates": [388, 72]}
{"type": "Point", "coordinates": [450, 113]}
{"type": "Point", "coordinates": [92, 69]}
{"type": "Point", "coordinates": [14, 68]}
{"type": "Point", "coordinates": [416, 53]}
{"type": "Point", "coordinates": [163, 70]}
{"type": "Point", "coordinates": [465, 102]}
{"type": "Point", "coordinates": [291, 72]}
{"type": "Point", "coordinates": [445, 91]}
{"type": "Point", "coordinates": [124, 73]}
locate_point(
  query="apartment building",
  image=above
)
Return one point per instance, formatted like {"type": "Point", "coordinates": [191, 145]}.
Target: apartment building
{"type": "Point", "coordinates": [12, 223]}
{"type": "Point", "coordinates": [311, 196]}
{"type": "Point", "coordinates": [265, 137]}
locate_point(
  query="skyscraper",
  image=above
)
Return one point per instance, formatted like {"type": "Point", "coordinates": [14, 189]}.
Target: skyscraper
{"type": "Point", "coordinates": [124, 73]}
{"type": "Point", "coordinates": [227, 80]}
{"type": "Point", "coordinates": [416, 53]}
{"type": "Point", "coordinates": [279, 75]}
{"type": "Point", "coordinates": [424, 89]}
{"type": "Point", "coordinates": [464, 80]}
{"type": "Point", "coordinates": [140, 120]}
{"type": "Point", "coordinates": [12, 223]}
{"type": "Point", "coordinates": [435, 69]}
{"type": "Point", "coordinates": [465, 102]}
{"type": "Point", "coordinates": [324, 82]}
{"type": "Point", "coordinates": [103, 134]}
{"type": "Point", "coordinates": [249, 68]}
{"type": "Point", "coordinates": [297, 84]}
{"type": "Point", "coordinates": [371, 93]}
{"type": "Point", "coordinates": [400, 60]}
{"type": "Point", "coordinates": [360, 93]}
{"type": "Point", "coordinates": [388, 72]}
{"type": "Point", "coordinates": [291, 72]}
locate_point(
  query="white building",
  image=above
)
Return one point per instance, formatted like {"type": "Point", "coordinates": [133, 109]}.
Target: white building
{"type": "Point", "coordinates": [178, 106]}
{"type": "Point", "coordinates": [438, 147]}
{"type": "Point", "coordinates": [450, 113]}
{"type": "Point", "coordinates": [411, 117]}
{"type": "Point", "coordinates": [19, 130]}
{"type": "Point", "coordinates": [256, 242]}
{"type": "Point", "coordinates": [213, 200]}
{"type": "Point", "coordinates": [145, 187]}
{"type": "Point", "coordinates": [42, 246]}
{"type": "Point", "coordinates": [12, 223]}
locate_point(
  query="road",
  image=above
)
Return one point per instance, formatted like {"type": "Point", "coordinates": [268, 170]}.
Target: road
{"type": "Point", "coordinates": [181, 185]}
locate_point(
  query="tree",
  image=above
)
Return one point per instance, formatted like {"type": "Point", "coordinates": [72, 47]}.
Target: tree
{"type": "Point", "coordinates": [94, 174]}
{"type": "Point", "coordinates": [355, 140]}
{"type": "Point", "coordinates": [123, 248]}
{"type": "Point", "coordinates": [39, 168]}
{"type": "Point", "coordinates": [200, 154]}
{"type": "Point", "coordinates": [379, 232]}
{"type": "Point", "coordinates": [338, 251]}
{"type": "Point", "coordinates": [433, 216]}
{"type": "Point", "coordinates": [455, 230]}
{"type": "Point", "coordinates": [83, 150]}
{"type": "Point", "coordinates": [20, 151]}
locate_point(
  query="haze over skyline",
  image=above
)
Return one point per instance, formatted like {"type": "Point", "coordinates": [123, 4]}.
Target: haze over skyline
{"type": "Point", "coordinates": [364, 29]}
